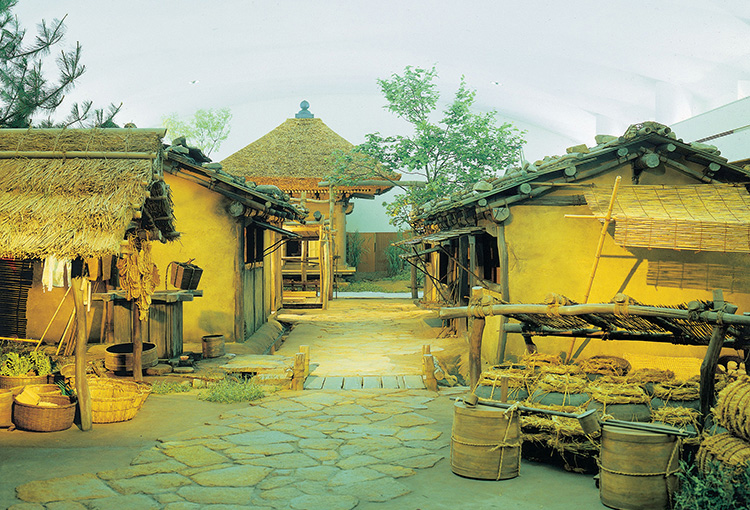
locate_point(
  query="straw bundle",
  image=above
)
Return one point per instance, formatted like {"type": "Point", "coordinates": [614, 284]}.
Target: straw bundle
{"type": "Point", "coordinates": [613, 393]}
{"type": "Point", "coordinates": [649, 375]}
{"type": "Point", "coordinates": [538, 359]}
{"type": "Point", "coordinates": [679, 217]}
{"type": "Point", "coordinates": [732, 410]}
{"type": "Point", "coordinates": [677, 390]}
{"type": "Point", "coordinates": [519, 382]}
{"type": "Point", "coordinates": [572, 370]}
{"type": "Point", "coordinates": [562, 383]}
{"type": "Point", "coordinates": [606, 365]}
{"type": "Point", "coordinates": [732, 452]}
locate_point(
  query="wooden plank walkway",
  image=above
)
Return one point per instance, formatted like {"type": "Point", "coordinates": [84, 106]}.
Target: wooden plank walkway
{"type": "Point", "coordinates": [368, 382]}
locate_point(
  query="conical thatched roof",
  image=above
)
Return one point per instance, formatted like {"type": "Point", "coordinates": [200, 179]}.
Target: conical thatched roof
{"type": "Point", "coordinates": [295, 156]}
{"type": "Point", "coordinates": [72, 192]}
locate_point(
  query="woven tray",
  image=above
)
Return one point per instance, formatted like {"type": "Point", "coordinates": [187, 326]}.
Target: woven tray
{"type": "Point", "coordinates": [8, 381]}
{"type": "Point", "coordinates": [114, 401]}
{"type": "Point", "coordinates": [45, 419]}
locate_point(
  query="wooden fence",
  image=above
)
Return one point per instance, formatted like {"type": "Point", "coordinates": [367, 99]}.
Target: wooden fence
{"type": "Point", "coordinates": [374, 258]}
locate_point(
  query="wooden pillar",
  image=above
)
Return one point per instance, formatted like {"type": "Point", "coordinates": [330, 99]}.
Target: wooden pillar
{"type": "Point", "coordinates": [305, 349]}
{"type": "Point", "coordinates": [502, 248]}
{"type": "Point", "coordinates": [475, 351]}
{"type": "Point", "coordinates": [304, 251]}
{"type": "Point", "coordinates": [298, 375]}
{"type": "Point", "coordinates": [332, 233]}
{"type": "Point", "coordinates": [82, 385]}
{"type": "Point", "coordinates": [137, 343]}
{"type": "Point", "coordinates": [239, 283]}
{"type": "Point", "coordinates": [472, 279]}
{"type": "Point", "coordinates": [711, 360]}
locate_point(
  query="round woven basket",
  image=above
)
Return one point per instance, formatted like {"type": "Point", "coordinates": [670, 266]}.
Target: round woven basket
{"type": "Point", "coordinates": [42, 418]}
{"type": "Point", "coordinates": [114, 401]}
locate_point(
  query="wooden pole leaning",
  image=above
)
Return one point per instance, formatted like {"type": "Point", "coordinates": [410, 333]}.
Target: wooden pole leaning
{"type": "Point", "coordinates": [475, 342]}
{"type": "Point", "coordinates": [82, 386]}
{"type": "Point", "coordinates": [53, 318]}
{"type": "Point", "coordinates": [597, 255]}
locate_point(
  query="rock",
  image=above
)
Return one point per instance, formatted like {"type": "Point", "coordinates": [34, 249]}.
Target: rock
{"type": "Point", "coordinates": [73, 487]}
{"type": "Point", "coordinates": [184, 370]}
{"type": "Point", "coordinates": [238, 476]}
{"type": "Point", "coordinates": [160, 369]}
{"type": "Point", "coordinates": [129, 502]}
{"type": "Point", "coordinates": [324, 502]}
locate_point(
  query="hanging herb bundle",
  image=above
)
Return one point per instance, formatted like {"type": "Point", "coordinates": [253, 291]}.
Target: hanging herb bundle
{"type": "Point", "coordinates": [138, 274]}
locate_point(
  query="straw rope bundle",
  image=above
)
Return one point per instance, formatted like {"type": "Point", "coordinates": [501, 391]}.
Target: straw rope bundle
{"type": "Point", "coordinates": [732, 452]}
{"type": "Point", "coordinates": [677, 390]}
{"type": "Point", "coordinates": [679, 417]}
{"type": "Point", "coordinates": [572, 370]}
{"type": "Point", "coordinates": [732, 410]}
{"type": "Point", "coordinates": [605, 365]}
{"type": "Point", "coordinates": [519, 383]}
{"type": "Point", "coordinates": [562, 383]}
{"type": "Point", "coordinates": [614, 393]}
{"type": "Point", "coordinates": [649, 375]}
{"type": "Point", "coordinates": [538, 359]}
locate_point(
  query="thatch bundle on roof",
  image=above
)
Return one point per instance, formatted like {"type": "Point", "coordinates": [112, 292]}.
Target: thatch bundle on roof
{"type": "Point", "coordinates": [72, 206]}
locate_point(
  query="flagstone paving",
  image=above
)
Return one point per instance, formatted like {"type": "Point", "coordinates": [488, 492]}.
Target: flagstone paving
{"type": "Point", "coordinates": [309, 450]}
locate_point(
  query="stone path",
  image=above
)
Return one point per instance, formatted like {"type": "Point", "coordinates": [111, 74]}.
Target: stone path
{"type": "Point", "coordinates": [327, 450]}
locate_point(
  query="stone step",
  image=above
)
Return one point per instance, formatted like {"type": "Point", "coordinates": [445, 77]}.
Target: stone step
{"type": "Point", "coordinates": [368, 382]}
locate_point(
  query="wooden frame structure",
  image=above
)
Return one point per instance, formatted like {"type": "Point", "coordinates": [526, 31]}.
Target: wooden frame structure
{"type": "Point", "coordinates": [714, 324]}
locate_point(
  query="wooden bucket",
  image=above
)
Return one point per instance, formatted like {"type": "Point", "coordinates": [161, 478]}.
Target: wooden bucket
{"type": "Point", "coordinates": [6, 408]}
{"type": "Point", "coordinates": [638, 469]}
{"type": "Point", "coordinates": [119, 357]}
{"type": "Point", "coordinates": [485, 443]}
{"type": "Point", "coordinates": [213, 346]}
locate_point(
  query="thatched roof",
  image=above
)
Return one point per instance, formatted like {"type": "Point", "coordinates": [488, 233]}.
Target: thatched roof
{"type": "Point", "coordinates": [295, 156]}
{"type": "Point", "coordinates": [73, 192]}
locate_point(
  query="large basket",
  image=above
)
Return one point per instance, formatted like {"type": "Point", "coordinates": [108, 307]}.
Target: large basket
{"type": "Point", "coordinates": [9, 381]}
{"type": "Point", "coordinates": [45, 419]}
{"type": "Point", "coordinates": [114, 401]}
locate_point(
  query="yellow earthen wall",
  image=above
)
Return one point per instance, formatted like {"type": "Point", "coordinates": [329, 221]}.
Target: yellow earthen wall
{"type": "Point", "coordinates": [208, 236]}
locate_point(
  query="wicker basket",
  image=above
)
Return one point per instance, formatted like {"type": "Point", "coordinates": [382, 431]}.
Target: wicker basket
{"type": "Point", "coordinates": [45, 419]}
{"type": "Point", "coordinates": [9, 381]}
{"type": "Point", "coordinates": [114, 401]}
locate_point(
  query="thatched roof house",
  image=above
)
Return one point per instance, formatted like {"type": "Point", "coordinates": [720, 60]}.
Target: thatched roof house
{"type": "Point", "coordinates": [74, 192]}
{"type": "Point", "coordinates": [295, 156]}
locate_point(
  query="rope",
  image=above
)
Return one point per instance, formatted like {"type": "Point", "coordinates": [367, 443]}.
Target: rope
{"type": "Point", "coordinates": [621, 309]}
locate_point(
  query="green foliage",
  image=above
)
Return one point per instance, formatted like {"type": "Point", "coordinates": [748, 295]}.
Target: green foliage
{"type": "Point", "coordinates": [207, 129]}
{"type": "Point", "coordinates": [232, 389]}
{"type": "Point", "coordinates": [719, 488]}
{"type": "Point", "coordinates": [17, 364]}
{"type": "Point", "coordinates": [25, 91]}
{"type": "Point", "coordinates": [448, 155]}
{"type": "Point", "coordinates": [395, 262]}
{"type": "Point", "coordinates": [354, 248]}
{"type": "Point", "coordinates": [164, 387]}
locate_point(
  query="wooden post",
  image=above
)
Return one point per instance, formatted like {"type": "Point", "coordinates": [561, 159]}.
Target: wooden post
{"type": "Point", "coordinates": [711, 360]}
{"type": "Point", "coordinates": [414, 286]}
{"type": "Point", "coordinates": [475, 351]}
{"type": "Point", "coordinates": [82, 385]}
{"type": "Point", "coordinates": [428, 372]}
{"type": "Point", "coordinates": [504, 389]}
{"type": "Point", "coordinates": [305, 349]}
{"type": "Point", "coordinates": [298, 376]}
{"type": "Point", "coordinates": [505, 286]}
{"type": "Point", "coordinates": [304, 251]}
{"type": "Point", "coordinates": [137, 336]}
{"type": "Point", "coordinates": [331, 241]}
{"type": "Point", "coordinates": [239, 283]}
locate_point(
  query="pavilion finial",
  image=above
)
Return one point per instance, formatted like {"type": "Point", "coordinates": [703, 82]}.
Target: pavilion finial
{"type": "Point", "coordinates": [304, 113]}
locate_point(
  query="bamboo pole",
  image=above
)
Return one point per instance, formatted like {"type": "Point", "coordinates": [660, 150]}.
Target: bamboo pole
{"type": "Point", "coordinates": [75, 154]}
{"type": "Point", "coordinates": [82, 385]}
{"type": "Point", "coordinates": [137, 334]}
{"type": "Point", "coordinates": [597, 255]}
{"type": "Point", "coordinates": [52, 319]}
{"type": "Point", "coordinates": [65, 331]}
{"type": "Point", "coordinates": [600, 308]}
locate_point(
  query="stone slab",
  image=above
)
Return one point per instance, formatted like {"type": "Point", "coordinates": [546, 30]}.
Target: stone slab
{"type": "Point", "coordinates": [314, 382]}
{"type": "Point", "coordinates": [352, 383]}
{"type": "Point", "coordinates": [370, 382]}
{"type": "Point", "coordinates": [67, 487]}
{"type": "Point", "coordinates": [413, 382]}
{"type": "Point", "coordinates": [333, 383]}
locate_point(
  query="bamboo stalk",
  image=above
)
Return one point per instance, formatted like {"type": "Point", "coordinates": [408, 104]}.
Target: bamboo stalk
{"type": "Point", "coordinates": [65, 332]}
{"type": "Point", "coordinates": [52, 319]}
{"type": "Point", "coordinates": [598, 254]}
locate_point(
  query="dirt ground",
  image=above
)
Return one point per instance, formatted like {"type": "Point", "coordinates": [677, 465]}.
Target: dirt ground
{"type": "Point", "coordinates": [357, 336]}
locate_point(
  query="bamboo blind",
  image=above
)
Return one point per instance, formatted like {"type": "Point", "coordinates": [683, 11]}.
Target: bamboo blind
{"type": "Point", "coordinates": [704, 217]}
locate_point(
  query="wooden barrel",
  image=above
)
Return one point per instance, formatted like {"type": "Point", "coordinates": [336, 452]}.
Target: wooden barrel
{"type": "Point", "coordinates": [6, 408]}
{"type": "Point", "coordinates": [119, 357]}
{"type": "Point", "coordinates": [638, 469]}
{"type": "Point", "coordinates": [213, 346]}
{"type": "Point", "coordinates": [485, 443]}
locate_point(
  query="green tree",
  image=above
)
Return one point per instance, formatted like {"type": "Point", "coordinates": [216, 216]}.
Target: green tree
{"type": "Point", "coordinates": [207, 129]}
{"type": "Point", "coordinates": [449, 155]}
{"type": "Point", "coordinates": [25, 91]}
